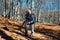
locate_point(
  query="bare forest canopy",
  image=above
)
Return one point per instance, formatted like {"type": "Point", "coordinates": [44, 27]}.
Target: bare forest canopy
{"type": "Point", "coordinates": [46, 11]}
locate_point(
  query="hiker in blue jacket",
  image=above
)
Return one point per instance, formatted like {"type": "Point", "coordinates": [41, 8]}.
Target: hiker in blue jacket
{"type": "Point", "coordinates": [29, 22]}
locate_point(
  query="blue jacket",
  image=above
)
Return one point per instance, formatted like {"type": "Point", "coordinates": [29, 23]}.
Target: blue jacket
{"type": "Point", "coordinates": [30, 18]}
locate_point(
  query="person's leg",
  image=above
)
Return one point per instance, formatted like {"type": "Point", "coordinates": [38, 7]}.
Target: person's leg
{"type": "Point", "coordinates": [26, 29]}
{"type": "Point", "coordinates": [32, 31]}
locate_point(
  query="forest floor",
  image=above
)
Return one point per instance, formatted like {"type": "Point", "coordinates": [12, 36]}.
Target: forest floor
{"type": "Point", "coordinates": [11, 29]}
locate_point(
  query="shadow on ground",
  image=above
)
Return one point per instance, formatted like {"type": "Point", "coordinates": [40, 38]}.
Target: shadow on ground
{"type": "Point", "coordinates": [3, 35]}
{"type": "Point", "coordinates": [50, 33]}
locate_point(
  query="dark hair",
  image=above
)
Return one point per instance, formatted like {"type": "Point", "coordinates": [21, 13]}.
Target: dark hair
{"type": "Point", "coordinates": [30, 9]}
{"type": "Point", "coordinates": [27, 12]}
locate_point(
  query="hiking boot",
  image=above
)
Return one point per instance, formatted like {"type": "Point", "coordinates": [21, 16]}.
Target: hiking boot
{"type": "Point", "coordinates": [26, 35]}
{"type": "Point", "coordinates": [32, 37]}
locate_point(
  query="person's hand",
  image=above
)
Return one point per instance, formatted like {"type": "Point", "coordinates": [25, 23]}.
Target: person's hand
{"type": "Point", "coordinates": [28, 22]}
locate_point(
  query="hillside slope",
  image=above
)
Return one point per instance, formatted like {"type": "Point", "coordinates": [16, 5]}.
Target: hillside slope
{"type": "Point", "coordinates": [11, 29]}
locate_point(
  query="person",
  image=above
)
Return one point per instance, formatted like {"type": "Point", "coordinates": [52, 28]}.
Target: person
{"type": "Point", "coordinates": [30, 20]}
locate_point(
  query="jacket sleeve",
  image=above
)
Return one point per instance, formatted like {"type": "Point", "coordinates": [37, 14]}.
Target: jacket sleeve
{"type": "Point", "coordinates": [33, 16]}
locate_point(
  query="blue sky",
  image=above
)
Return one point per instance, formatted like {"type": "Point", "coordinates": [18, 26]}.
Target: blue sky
{"type": "Point", "coordinates": [49, 5]}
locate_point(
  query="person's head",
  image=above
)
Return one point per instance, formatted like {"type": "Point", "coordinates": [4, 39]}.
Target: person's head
{"type": "Point", "coordinates": [29, 10]}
